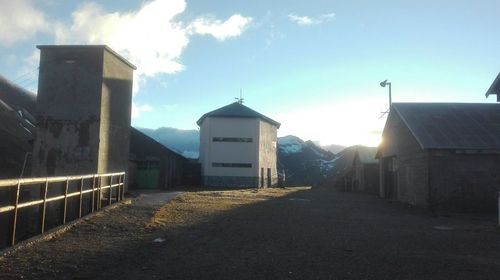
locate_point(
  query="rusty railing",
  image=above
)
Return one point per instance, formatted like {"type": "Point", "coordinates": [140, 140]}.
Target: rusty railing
{"type": "Point", "coordinates": [41, 194]}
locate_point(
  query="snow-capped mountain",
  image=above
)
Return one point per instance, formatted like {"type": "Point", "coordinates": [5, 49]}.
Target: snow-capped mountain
{"type": "Point", "coordinates": [185, 142]}
{"type": "Point", "coordinates": [303, 162]}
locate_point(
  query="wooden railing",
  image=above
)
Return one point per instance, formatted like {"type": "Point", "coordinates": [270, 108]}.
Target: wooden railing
{"type": "Point", "coordinates": [80, 194]}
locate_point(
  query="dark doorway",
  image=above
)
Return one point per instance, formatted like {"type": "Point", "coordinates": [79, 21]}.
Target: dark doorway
{"type": "Point", "coordinates": [269, 178]}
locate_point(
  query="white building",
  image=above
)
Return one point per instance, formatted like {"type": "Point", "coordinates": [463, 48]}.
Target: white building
{"type": "Point", "coordinates": [238, 147]}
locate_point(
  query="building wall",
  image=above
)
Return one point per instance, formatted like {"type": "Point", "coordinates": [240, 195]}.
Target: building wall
{"type": "Point", "coordinates": [68, 112]}
{"type": "Point", "coordinates": [402, 154]}
{"type": "Point", "coordinates": [116, 97]}
{"type": "Point", "coordinates": [365, 178]}
{"type": "Point", "coordinates": [267, 153]}
{"type": "Point", "coordinates": [83, 111]}
{"type": "Point", "coordinates": [464, 182]}
{"type": "Point", "coordinates": [439, 179]}
{"type": "Point", "coordinates": [260, 153]}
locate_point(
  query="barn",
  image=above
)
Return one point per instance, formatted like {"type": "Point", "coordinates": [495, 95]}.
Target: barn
{"type": "Point", "coordinates": [442, 156]}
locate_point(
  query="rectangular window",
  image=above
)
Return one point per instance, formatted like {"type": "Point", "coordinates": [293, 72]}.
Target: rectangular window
{"type": "Point", "coordinates": [238, 165]}
{"type": "Point", "coordinates": [232, 139]}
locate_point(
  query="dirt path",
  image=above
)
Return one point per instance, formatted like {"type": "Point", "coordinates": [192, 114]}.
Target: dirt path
{"type": "Point", "coordinates": [266, 234]}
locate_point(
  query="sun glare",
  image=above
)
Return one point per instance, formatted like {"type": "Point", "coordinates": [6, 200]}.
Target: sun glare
{"type": "Point", "coordinates": [347, 124]}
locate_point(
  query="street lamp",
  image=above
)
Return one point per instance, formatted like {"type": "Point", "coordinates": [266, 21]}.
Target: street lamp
{"type": "Point", "coordinates": [383, 84]}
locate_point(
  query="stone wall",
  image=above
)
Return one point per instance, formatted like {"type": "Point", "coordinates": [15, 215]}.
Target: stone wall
{"type": "Point", "coordinates": [464, 182]}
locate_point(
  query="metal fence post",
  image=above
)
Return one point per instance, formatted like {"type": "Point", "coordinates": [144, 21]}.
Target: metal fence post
{"type": "Point", "coordinates": [92, 194]}
{"type": "Point", "coordinates": [110, 189]}
{"type": "Point", "coordinates": [99, 191]}
{"type": "Point", "coordinates": [44, 204]}
{"type": "Point", "coordinates": [81, 199]}
{"type": "Point", "coordinates": [14, 222]}
{"type": "Point", "coordinates": [65, 201]}
{"type": "Point", "coordinates": [123, 186]}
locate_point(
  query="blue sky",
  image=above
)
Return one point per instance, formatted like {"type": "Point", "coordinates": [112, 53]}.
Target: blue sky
{"type": "Point", "coordinates": [315, 66]}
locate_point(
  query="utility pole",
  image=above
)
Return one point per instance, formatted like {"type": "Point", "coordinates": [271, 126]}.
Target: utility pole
{"type": "Point", "coordinates": [383, 84]}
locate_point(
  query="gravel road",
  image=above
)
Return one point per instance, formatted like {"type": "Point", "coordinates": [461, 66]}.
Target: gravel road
{"type": "Point", "coordinates": [293, 233]}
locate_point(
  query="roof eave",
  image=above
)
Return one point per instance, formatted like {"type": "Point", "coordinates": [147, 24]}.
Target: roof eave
{"type": "Point", "coordinates": [494, 88]}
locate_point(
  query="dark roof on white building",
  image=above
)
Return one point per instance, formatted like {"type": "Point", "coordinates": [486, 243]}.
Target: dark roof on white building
{"type": "Point", "coordinates": [459, 126]}
{"type": "Point", "coordinates": [237, 110]}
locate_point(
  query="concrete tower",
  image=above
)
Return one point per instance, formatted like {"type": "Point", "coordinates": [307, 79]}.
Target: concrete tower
{"type": "Point", "coordinates": [83, 111]}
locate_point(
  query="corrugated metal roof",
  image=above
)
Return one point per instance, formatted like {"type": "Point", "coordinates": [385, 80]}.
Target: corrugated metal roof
{"type": "Point", "coordinates": [16, 96]}
{"type": "Point", "coordinates": [237, 110]}
{"type": "Point", "coordinates": [473, 126]}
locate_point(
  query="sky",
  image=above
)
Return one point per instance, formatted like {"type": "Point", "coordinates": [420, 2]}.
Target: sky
{"type": "Point", "coordinates": [315, 66]}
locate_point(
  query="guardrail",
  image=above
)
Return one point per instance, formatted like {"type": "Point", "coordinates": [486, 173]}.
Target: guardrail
{"type": "Point", "coordinates": [91, 190]}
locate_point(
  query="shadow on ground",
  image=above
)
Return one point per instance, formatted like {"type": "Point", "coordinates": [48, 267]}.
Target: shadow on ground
{"type": "Point", "coordinates": [308, 234]}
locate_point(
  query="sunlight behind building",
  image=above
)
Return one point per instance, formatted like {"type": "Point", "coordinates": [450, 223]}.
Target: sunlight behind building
{"type": "Point", "coordinates": [346, 123]}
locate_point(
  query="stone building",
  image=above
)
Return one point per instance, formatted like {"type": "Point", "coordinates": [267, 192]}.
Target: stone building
{"type": "Point", "coordinates": [238, 147]}
{"type": "Point", "coordinates": [83, 111]}
{"type": "Point", "coordinates": [442, 156]}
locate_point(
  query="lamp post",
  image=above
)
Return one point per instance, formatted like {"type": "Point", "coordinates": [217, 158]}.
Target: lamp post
{"type": "Point", "coordinates": [383, 84]}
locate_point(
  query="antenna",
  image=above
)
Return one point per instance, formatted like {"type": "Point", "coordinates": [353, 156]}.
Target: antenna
{"type": "Point", "coordinates": [240, 99]}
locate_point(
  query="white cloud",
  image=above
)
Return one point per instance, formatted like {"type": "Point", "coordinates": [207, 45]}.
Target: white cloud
{"type": "Point", "coordinates": [232, 27]}
{"type": "Point", "coordinates": [20, 20]}
{"type": "Point", "coordinates": [306, 21]}
{"type": "Point", "coordinates": [137, 110]}
{"type": "Point", "coordinates": [152, 38]}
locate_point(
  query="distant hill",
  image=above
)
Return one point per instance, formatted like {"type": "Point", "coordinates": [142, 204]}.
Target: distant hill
{"type": "Point", "coordinates": [334, 148]}
{"type": "Point", "coordinates": [185, 142]}
{"type": "Point", "coordinates": [303, 162]}
{"type": "Point", "coordinates": [343, 163]}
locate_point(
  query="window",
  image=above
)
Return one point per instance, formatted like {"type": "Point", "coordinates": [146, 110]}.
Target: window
{"type": "Point", "coordinates": [232, 139]}
{"type": "Point", "coordinates": [238, 165]}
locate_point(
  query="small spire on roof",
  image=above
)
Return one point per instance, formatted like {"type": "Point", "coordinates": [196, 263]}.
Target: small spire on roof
{"type": "Point", "coordinates": [240, 99]}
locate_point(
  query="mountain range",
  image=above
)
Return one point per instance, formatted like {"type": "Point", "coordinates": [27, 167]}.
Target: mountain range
{"type": "Point", "coordinates": [301, 162]}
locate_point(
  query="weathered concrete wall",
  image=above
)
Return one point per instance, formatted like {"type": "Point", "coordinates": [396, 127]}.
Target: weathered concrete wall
{"type": "Point", "coordinates": [464, 182]}
{"type": "Point", "coordinates": [68, 112]}
{"type": "Point", "coordinates": [267, 153]}
{"type": "Point", "coordinates": [83, 111]}
{"type": "Point", "coordinates": [116, 100]}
